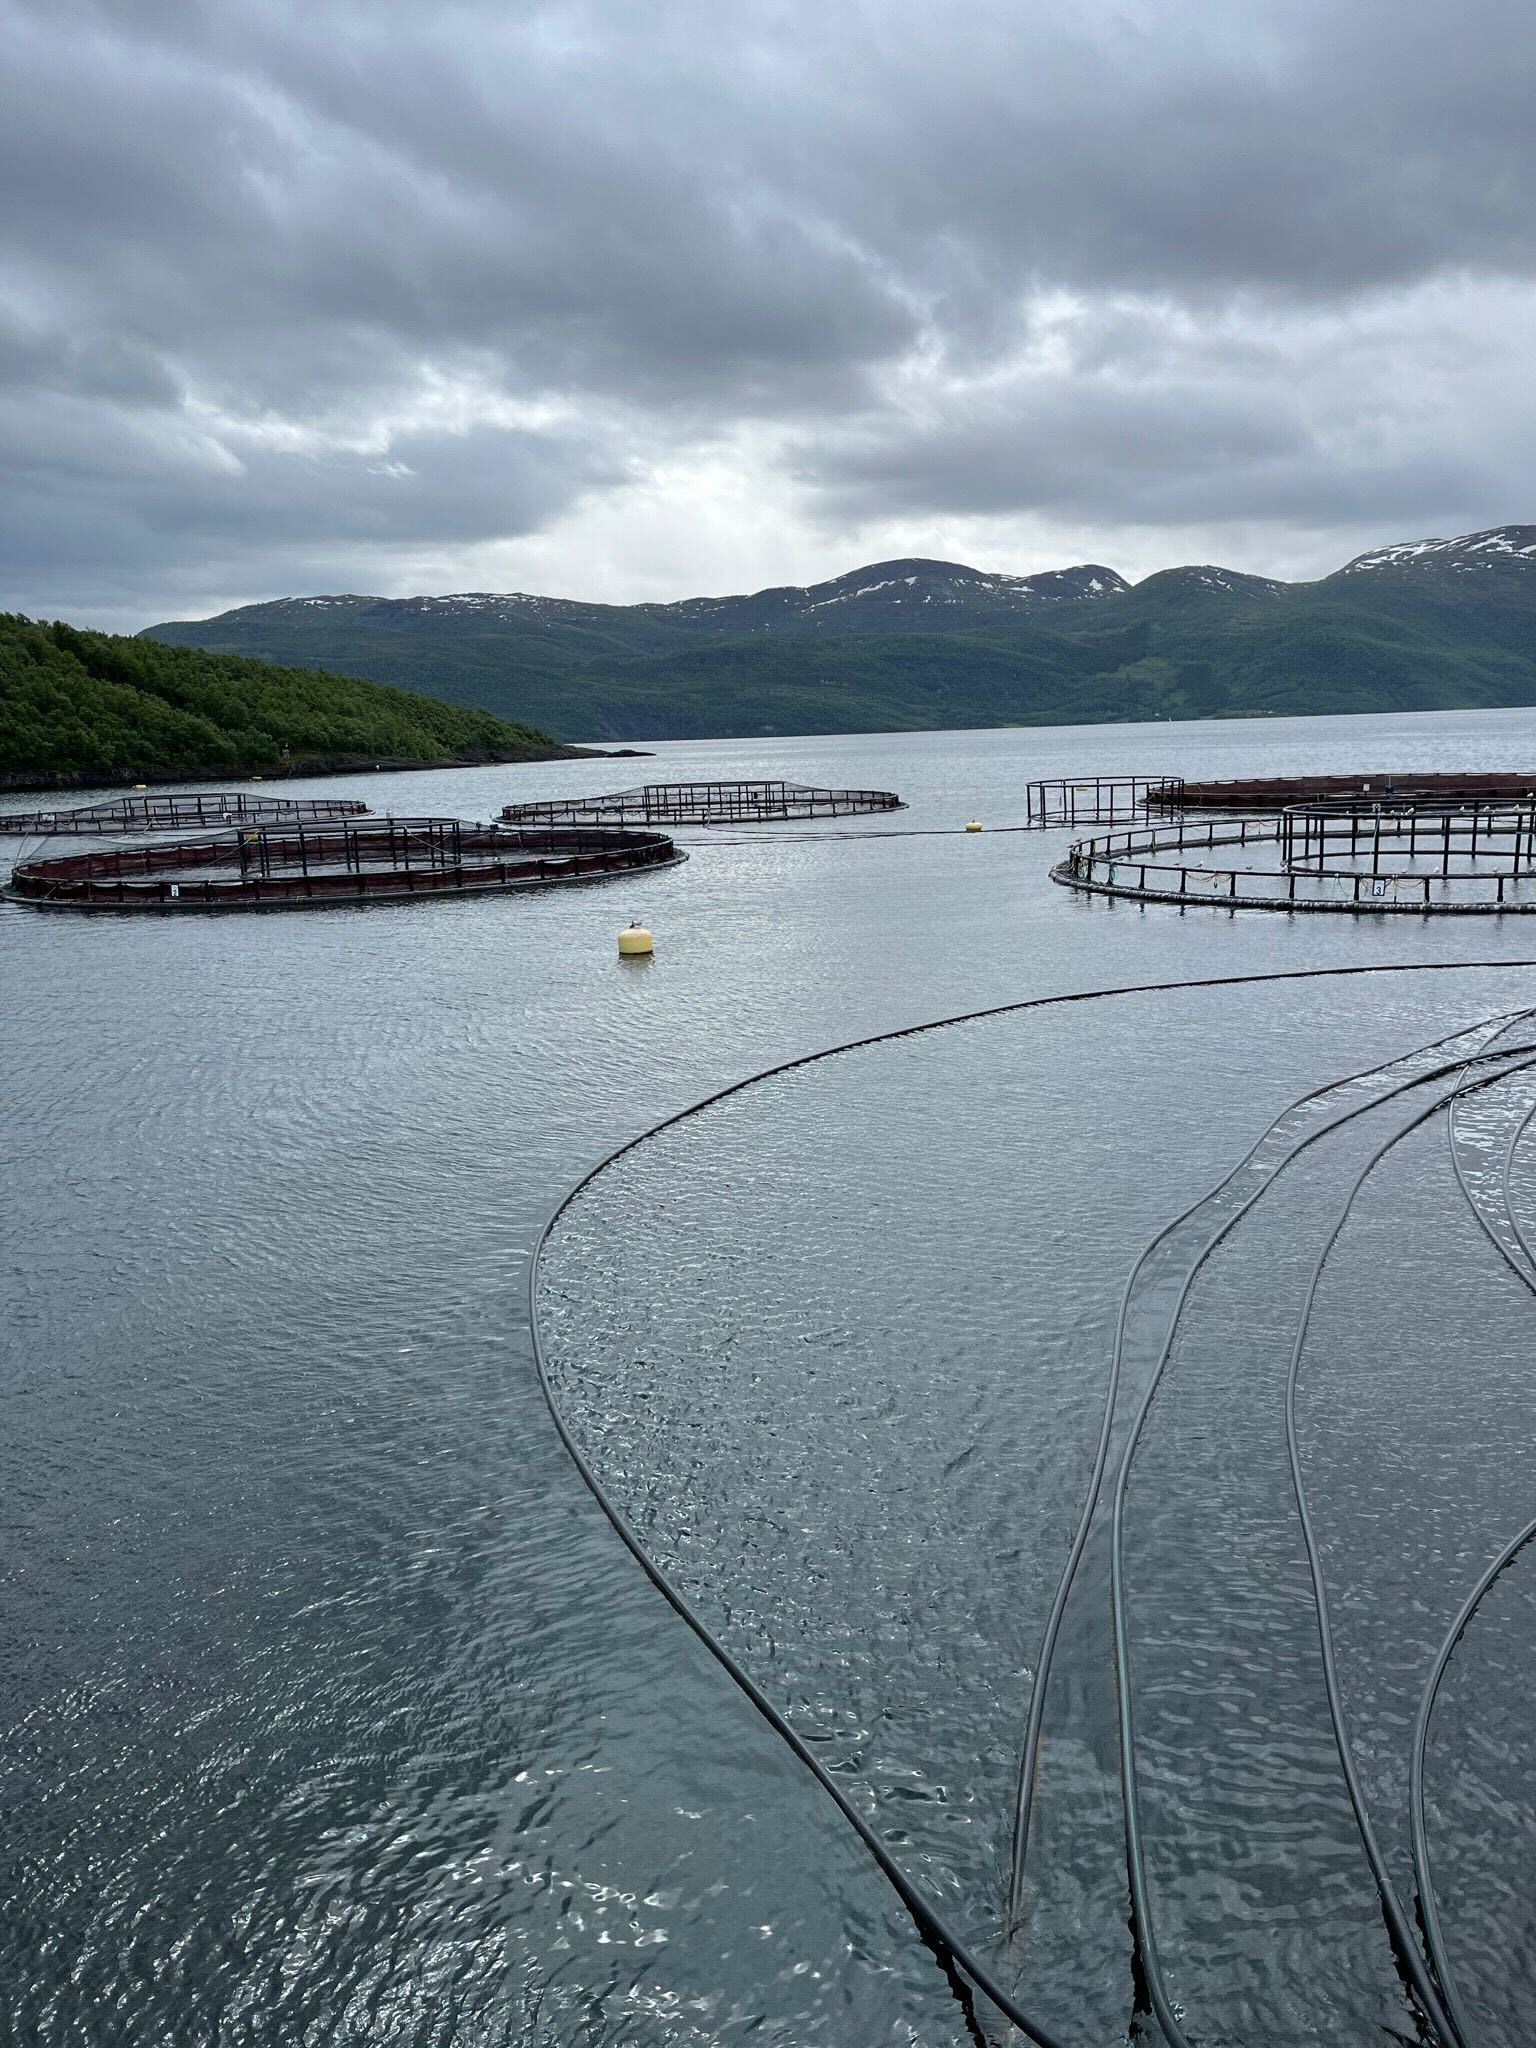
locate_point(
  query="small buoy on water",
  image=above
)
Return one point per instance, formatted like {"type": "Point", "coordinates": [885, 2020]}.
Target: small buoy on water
{"type": "Point", "coordinates": [973, 825]}
{"type": "Point", "coordinates": [636, 943]}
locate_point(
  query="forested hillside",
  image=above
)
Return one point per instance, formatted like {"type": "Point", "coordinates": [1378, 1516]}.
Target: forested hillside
{"type": "Point", "coordinates": [98, 707]}
{"type": "Point", "coordinates": [1424, 626]}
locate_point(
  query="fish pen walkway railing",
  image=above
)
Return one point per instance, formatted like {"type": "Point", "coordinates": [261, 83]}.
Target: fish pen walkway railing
{"type": "Point", "coordinates": [1099, 799]}
{"type": "Point", "coordinates": [705, 803]}
{"type": "Point", "coordinates": [176, 812]}
{"type": "Point", "coordinates": [1161, 864]}
{"type": "Point", "coordinates": [294, 867]}
{"type": "Point", "coordinates": [1483, 838]}
{"type": "Point", "coordinates": [1276, 792]}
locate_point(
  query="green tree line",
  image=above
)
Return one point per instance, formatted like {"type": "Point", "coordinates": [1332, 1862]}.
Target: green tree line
{"type": "Point", "coordinates": [74, 702]}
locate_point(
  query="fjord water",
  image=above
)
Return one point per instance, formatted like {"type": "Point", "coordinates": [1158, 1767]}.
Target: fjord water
{"type": "Point", "coordinates": [332, 1708]}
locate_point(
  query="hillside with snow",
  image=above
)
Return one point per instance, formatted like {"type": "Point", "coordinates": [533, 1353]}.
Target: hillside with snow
{"type": "Point", "coordinates": [1414, 625]}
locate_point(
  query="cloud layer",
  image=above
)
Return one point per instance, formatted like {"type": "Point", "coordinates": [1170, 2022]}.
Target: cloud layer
{"type": "Point", "coordinates": [639, 302]}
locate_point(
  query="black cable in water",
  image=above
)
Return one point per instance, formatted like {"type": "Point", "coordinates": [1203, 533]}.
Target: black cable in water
{"type": "Point", "coordinates": [929, 1921]}
{"type": "Point", "coordinates": [1493, 1237]}
{"type": "Point", "coordinates": [1523, 1273]}
{"type": "Point", "coordinates": [1418, 1832]}
{"type": "Point", "coordinates": [1504, 1182]}
{"type": "Point", "coordinates": [1429, 1909]}
{"type": "Point", "coordinates": [1429, 1912]}
{"type": "Point", "coordinates": [1135, 1862]}
{"type": "Point", "coordinates": [1429, 1994]}
{"type": "Point", "coordinates": [1029, 1759]}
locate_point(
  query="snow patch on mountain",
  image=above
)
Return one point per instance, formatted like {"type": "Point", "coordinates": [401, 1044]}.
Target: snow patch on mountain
{"type": "Point", "coordinates": [1209, 576]}
{"type": "Point", "coordinates": [1234, 580]}
{"type": "Point", "coordinates": [952, 583]}
{"type": "Point", "coordinates": [1467, 553]}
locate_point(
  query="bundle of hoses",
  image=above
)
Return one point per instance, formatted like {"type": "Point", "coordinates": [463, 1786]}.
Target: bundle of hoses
{"type": "Point", "coordinates": [1430, 1978]}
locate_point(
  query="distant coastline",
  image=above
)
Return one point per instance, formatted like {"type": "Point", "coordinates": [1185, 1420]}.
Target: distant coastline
{"type": "Point", "coordinates": [923, 645]}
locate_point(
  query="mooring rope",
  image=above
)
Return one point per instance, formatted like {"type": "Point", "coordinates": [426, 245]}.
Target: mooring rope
{"type": "Point", "coordinates": [771, 838]}
{"type": "Point", "coordinates": [931, 1924]}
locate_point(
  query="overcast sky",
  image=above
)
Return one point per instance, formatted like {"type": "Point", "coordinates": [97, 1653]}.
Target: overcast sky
{"type": "Point", "coordinates": [626, 300]}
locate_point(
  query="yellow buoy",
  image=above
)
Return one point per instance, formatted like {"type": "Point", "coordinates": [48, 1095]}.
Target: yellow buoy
{"type": "Point", "coordinates": [635, 943]}
{"type": "Point", "coordinates": [974, 825]}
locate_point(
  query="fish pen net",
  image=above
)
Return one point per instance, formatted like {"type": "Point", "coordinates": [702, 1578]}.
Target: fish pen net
{"type": "Point", "coordinates": [1468, 860]}
{"type": "Point", "coordinates": [705, 803]}
{"type": "Point", "coordinates": [176, 812]}
{"type": "Point", "coordinates": [1473, 838]}
{"type": "Point", "coordinates": [1099, 799]}
{"type": "Point", "coordinates": [292, 866]}
{"type": "Point", "coordinates": [1276, 792]}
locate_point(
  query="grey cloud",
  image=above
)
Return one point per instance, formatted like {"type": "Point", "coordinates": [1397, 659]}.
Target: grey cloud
{"type": "Point", "coordinates": [241, 238]}
{"type": "Point", "coordinates": [163, 508]}
{"type": "Point", "coordinates": [723, 204]}
{"type": "Point", "coordinates": [259, 220]}
{"type": "Point", "coordinates": [101, 365]}
{"type": "Point", "coordinates": [1310, 150]}
{"type": "Point", "coordinates": [1171, 456]}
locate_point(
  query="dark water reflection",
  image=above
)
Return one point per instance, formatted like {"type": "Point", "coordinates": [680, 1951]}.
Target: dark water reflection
{"type": "Point", "coordinates": [332, 1710]}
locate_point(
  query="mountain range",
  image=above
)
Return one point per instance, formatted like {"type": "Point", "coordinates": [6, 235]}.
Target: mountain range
{"type": "Point", "coordinates": [1420, 625]}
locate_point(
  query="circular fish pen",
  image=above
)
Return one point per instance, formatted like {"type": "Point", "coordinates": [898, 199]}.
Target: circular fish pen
{"type": "Point", "coordinates": [1278, 792]}
{"type": "Point", "coordinates": [1123, 799]}
{"type": "Point", "coordinates": [1099, 799]}
{"type": "Point", "coordinates": [298, 867]}
{"type": "Point", "coordinates": [705, 803]}
{"type": "Point", "coordinates": [178, 812]}
{"type": "Point", "coordinates": [1465, 859]}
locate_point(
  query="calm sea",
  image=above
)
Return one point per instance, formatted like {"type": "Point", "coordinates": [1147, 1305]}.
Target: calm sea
{"type": "Point", "coordinates": [332, 1709]}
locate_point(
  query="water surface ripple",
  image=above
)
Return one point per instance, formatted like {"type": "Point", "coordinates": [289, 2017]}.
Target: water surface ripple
{"type": "Point", "coordinates": [331, 1709]}
{"type": "Point", "coordinates": [855, 1452]}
